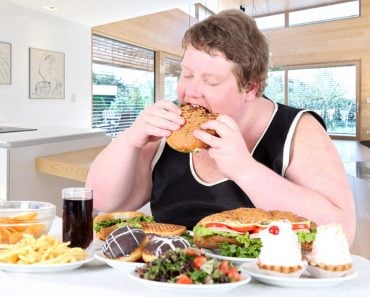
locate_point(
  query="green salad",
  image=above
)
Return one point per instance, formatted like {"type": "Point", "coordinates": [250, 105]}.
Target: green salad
{"type": "Point", "coordinates": [189, 266]}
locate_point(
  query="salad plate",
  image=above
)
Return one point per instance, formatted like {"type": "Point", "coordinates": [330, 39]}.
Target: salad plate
{"type": "Point", "coordinates": [116, 264]}
{"type": "Point", "coordinates": [305, 280]}
{"type": "Point", "coordinates": [174, 289]}
{"type": "Point", "coordinates": [236, 260]}
{"type": "Point", "coordinates": [43, 268]}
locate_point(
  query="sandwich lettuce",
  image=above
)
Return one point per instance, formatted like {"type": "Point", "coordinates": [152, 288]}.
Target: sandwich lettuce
{"type": "Point", "coordinates": [248, 248]}
{"type": "Point", "coordinates": [133, 222]}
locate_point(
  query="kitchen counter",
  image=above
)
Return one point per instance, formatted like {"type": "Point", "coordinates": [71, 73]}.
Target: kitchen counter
{"type": "Point", "coordinates": [19, 179]}
{"type": "Point", "coordinates": [44, 135]}
{"type": "Point", "coordinates": [73, 165]}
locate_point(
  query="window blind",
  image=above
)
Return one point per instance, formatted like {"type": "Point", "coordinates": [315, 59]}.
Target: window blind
{"type": "Point", "coordinates": [123, 83]}
{"type": "Point", "coordinates": [172, 71]}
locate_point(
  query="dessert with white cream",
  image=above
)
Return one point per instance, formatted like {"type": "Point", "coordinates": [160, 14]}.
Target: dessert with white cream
{"type": "Point", "coordinates": [281, 250]}
{"type": "Point", "coordinates": [330, 252]}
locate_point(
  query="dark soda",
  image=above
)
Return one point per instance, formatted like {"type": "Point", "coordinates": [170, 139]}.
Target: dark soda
{"type": "Point", "coordinates": [78, 222]}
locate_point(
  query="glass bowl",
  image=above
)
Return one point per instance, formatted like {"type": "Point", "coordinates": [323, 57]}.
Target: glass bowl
{"type": "Point", "coordinates": [24, 217]}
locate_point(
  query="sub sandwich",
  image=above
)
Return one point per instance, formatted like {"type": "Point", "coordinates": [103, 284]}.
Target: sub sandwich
{"type": "Point", "coordinates": [235, 232]}
{"type": "Point", "coordinates": [105, 223]}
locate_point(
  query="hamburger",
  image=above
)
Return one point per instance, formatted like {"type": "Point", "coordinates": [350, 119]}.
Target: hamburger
{"type": "Point", "coordinates": [182, 140]}
{"type": "Point", "coordinates": [235, 232]}
{"type": "Point", "coordinates": [105, 223]}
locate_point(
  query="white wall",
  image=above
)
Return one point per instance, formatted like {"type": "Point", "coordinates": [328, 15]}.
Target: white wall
{"type": "Point", "coordinates": [25, 28]}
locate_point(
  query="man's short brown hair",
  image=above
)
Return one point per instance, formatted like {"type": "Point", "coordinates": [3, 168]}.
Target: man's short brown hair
{"type": "Point", "coordinates": [234, 34]}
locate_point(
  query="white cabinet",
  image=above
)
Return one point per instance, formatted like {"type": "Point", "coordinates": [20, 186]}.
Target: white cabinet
{"type": "Point", "coordinates": [18, 178]}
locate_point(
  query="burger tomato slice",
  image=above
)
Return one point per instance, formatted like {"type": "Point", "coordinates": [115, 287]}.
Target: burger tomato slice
{"type": "Point", "coordinates": [254, 228]}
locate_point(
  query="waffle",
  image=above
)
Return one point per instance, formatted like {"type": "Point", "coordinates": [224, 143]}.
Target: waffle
{"type": "Point", "coordinates": [280, 269]}
{"type": "Point", "coordinates": [163, 229]}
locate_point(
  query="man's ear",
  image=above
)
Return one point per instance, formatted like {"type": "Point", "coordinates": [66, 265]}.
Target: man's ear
{"type": "Point", "coordinates": [250, 91]}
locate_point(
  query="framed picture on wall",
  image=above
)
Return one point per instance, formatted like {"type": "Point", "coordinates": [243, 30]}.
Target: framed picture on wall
{"type": "Point", "coordinates": [5, 63]}
{"type": "Point", "coordinates": [46, 74]}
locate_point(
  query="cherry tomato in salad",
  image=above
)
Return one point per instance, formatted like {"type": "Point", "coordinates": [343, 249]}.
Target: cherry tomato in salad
{"type": "Point", "coordinates": [224, 267]}
{"type": "Point", "coordinates": [234, 274]}
{"type": "Point", "coordinates": [184, 279]}
{"type": "Point", "coordinates": [199, 261]}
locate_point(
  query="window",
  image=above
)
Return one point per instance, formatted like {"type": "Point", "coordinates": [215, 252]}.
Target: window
{"type": "Point", "coordinates": [331, 91]}
{"type": "Point", "coordinates": [275, 89]}
{"type": "Point", "coordinates": [330, 12]}
{"type": "Point", "coordinates": [202, 11]}
{"type": "Point", "coordinates": [123, 83]}
{"type": "Point", "coordinates": [271, 21]}
{"type": "Point", "coordinates": [172, 70]}
{"type": "Point", "coordinates": [324, 13]}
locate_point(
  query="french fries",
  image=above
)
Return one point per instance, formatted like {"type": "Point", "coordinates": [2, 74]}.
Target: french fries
{"type": "Point", "coordinates": [44, 250]}
{"type": "Point", "coordinates": [13, 228]}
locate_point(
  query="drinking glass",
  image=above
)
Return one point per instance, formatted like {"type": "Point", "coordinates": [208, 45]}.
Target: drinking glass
{"type": "Point", "coordinates": [78, 216]}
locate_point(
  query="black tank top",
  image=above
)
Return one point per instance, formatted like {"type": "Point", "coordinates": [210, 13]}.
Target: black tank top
{"type": "Point", "coordinates": [178, 197]}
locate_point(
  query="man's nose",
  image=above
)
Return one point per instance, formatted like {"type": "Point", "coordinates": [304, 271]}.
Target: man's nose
{"type": "Point", "coordinates": [194, 88]}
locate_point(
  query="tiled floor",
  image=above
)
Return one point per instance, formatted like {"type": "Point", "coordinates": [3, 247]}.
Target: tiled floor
{"type": "Point", "coordinates": [354, 155]}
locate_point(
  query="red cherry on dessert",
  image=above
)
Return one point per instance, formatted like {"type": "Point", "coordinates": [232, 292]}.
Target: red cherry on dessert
{"type": "Point", "coordinates": [274, 230]}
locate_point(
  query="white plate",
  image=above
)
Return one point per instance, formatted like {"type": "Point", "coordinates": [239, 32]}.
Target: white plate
{"type": "Point", "coordinates": [43, 268]}
{"type": "Point", "coordinates": [116, 264]}
{"type": "Point", "coordinates": [304, 281]}
{"type": "Point", "coordinates": [235, 260]}
{"type": "Point", "coordinates": [190, 290]}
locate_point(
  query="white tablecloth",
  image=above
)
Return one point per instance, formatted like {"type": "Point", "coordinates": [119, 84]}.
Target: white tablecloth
{"type": "Point", "coordinates": [104, 281]}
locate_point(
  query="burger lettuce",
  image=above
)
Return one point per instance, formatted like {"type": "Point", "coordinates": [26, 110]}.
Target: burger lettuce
{"type": "Point", "coordinates": [133, 222]}
{"type": "Point", "coordinates": [248, 248]}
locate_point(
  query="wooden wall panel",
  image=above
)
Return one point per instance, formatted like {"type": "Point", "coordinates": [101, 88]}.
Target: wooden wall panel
{"type": "Point", "coordinates": [335, 41]}
{"type": "Point", "coordinates": [159, 31]}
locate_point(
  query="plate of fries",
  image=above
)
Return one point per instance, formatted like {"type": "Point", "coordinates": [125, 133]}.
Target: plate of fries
{"type": "Point", "coordinates": [42, 255]}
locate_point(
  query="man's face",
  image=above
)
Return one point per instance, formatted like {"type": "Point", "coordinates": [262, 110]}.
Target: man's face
{"type": "Point", "coordinates": [208, 80]}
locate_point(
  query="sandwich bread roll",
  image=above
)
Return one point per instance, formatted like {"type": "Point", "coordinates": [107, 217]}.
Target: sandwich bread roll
{"type": "Point", "coordinates": [105, 223]}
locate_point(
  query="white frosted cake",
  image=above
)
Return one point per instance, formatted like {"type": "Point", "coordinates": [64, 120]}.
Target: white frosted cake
{"type": "Point", "coordinates": [281, 250]}
{"type": "Point", "coordinates": [330, 256]}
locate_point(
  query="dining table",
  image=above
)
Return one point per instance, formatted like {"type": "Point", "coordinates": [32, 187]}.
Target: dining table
{"type": "Point", "coordinates": [98, 279]}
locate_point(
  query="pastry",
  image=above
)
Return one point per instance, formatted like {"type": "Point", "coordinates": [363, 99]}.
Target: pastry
{"type": "Point", "coordinates": [125, 244]}
{"type": "Point", "coordinates": [281, 251]}
{"type": "Point", "coordinates": [159, 245]}
{"type": "Point", "coordinates": [330, 256]}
